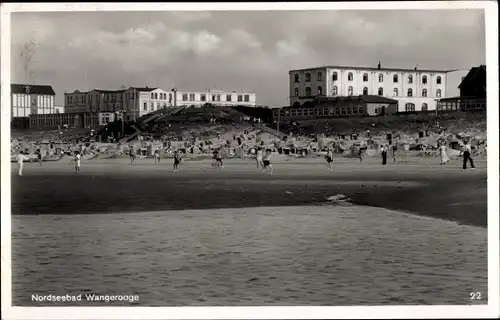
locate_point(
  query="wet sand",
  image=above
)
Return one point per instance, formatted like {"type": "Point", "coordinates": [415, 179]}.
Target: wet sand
{"type": "Point", "coordinates": [109, 186]}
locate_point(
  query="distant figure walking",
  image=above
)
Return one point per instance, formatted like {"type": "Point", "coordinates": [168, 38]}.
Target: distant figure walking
{"type": "Point", "coordinates": [329, 159]}
{"type": "Point", "coordinates": [259, 156]}
{"type": "Point", "coordinates": [20, 161]}
{"type": "Point", "coordinates": [266, 161]}
{"type": "Point", "coordinates": [39, 156]}
{"type": "Point", "coordinates": [443, 154]}
{"type": "Point", "coordinates": [360, 154]}
{"type": "Point", "coordinates": [394, 151]}
{"type": "Point", "coordinates": [177, 160]}
{"type": "Point", "coordinates": [131, 154]}
{"type": "Point", "coordinates": [466, 154]}
{"type": "Point", "coordinates": [218, 160]}
{"type": "Point", "coordinates": [384, 154]}
{"type": "Point", "coordinates": [157, 157]}
{"type": "Point", "coordinates": [78, 159]}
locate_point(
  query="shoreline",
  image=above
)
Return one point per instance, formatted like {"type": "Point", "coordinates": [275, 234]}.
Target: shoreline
{"type": "Point", "coordinates": [433, 191]}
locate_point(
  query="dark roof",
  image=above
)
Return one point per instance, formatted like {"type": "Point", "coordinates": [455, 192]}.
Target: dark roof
{"type": "Point", "coordinates": [143, 89]}
{"type": "Point", "coordinates": [472, 73]}
{"type": "Point", "coordinates": [368, 68]}
{"type": "Point", "coordinates": [377, 99]}
{"type": "Point", "coordinates": [33, 89]}
{"type": "Point", "coordinates": [110, 91]}
{"type": "Point", "coordinates": [458, 99]}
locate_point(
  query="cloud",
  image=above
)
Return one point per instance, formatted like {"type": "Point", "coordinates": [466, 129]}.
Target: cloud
{"type": "Point", "coordinates": [243, 50]}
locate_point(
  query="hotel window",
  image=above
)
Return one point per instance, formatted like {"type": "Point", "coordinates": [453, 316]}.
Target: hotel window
{"type": "Point", "coordinates": [228, 97]}
{"type": "Point", "coordinates": [334, 90]}
{"type": "Point", "coordinates": [424, 79]}
{"type": "Point", "coordinates": [360, 110]}
{"type": "Point", "coordinates": [158, 106]}
{"type": "Point", "coordinates": [424, 106]}
{"type": "Point", "coordinates": [334, 76]}
{"type": "Point", "coordinates": [152, 105]}
{"type": "Point", "coordinates": [365, 91]}
{"type": "Point", "coordinates": [410, 79]}
{"type": "Point", "coordinates": [152, 95]}
{"type": "Point", "coordinates": [296, 92]}
{"type": "Point", "coordinates": [410, 93]}
{"type": "Point", "coordinates": [247, 98]}
{"type": "Point", "coordinates": [213, 97]}
{"type": "Point", "coordinates": [296, 78]}
{"type": "Point", "coordinates": [350, 76]}
{"type": "Point", "coordinates": [424, 92]}
{"type": "Point", "coordinates": [354, 110]}
{"type": "Point", "coordinates": [438, 93]}
{"type": "Point", "coordinates": [380, 91]}
{"type": "Point", "coordinates": [395, 78]}
{"type": "Point", "coordinates": [395, 92]}
{"type": "Point", "coordinates": [349, 91]}
{"type": "Point", "coordinates": [365, 77]}
{"type": "Point", "coordinates": [320, 91]}
{"type": "Point", "coordinates": [410, 107]}
{"type": "Point", "coordinates": [438, 80]}
{"type": "Point", "coordinates": [240, 98]}
{"type": "Point", "coordinates": [192, 97]}
{"type": "Point", "coordinates": [145, 106]}
{"type": "Point", "coordinates": [203, 97]}
{"type": "Point", "coordinates": [320, 76]}
{"type": "Point", "coordinates": [308, 77]}
{"type": "Point", "coordinates": [308, 91]}
{"type": "Point", "coordinates": [184, 97]}
{"type": "Point", "coordinates": [380, 77]}
{"type": "Point", "coordinates": [156, 95]}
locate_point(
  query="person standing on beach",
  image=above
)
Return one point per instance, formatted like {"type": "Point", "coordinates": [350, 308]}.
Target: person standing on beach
{"type": "Point", "coordinates": [157, 157]}
{"type": "Point", "coordinates": [394, 150]}
{"type": "Point", "coordinates": [384, 154]}
{"type": "Point", "coordinates": [131, 154]}
{"type": "Point", "coordinates": [218, 160]}
{"type": "Point", "coordinates": [39, 156]}
{"type": "Point", "coordinates": [466, 154]}
{"type": "Point", "coordinates": [266, 161]}
{"type": "Point", "coordinates": [329, 159]}
{"type": "Point", "coordinates": [78, 159]}
{"type": "Point", "coordinates": [259, 155]}
{"type": "Point", "coordinates": [177, 160]}
{"type": "Point", "coordinates": [20, 161]}
{"type": "Point", "coordinates": [443, 154]}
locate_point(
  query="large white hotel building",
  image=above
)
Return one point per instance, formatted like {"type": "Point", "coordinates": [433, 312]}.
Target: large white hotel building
{"type": "Point", "coordinates": [414, 89]}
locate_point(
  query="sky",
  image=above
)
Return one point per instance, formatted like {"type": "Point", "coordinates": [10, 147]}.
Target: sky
{"type": "Point", "coordinates": [248, 51]}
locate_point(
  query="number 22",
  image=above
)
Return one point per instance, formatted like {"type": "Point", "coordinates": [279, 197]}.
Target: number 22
{"type": "Point", "coordinates": [475, 295]}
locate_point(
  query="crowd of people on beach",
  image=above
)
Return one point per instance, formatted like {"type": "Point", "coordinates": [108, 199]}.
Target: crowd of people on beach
{"type": "Point", "coordinates": [263, 157]}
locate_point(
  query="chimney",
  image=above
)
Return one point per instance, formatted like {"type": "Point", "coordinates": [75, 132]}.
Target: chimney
{"type": "Point", "coordinates": [379, 65]}
{"type": "Point", "coordinates": [415, 69]}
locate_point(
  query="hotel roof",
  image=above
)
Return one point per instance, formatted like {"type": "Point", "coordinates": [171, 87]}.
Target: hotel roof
{"type": "Point", "coordinates": [367, 68]}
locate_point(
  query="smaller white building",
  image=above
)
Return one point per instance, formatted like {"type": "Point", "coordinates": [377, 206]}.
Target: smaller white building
{"type": "Point", "coordinates": [216, 98]}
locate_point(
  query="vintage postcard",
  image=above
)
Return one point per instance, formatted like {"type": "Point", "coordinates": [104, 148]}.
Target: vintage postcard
{"type": "Point", "coordinates": [250, 160]}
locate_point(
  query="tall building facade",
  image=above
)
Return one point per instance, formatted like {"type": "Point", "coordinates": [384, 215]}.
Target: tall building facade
{"type": "Point", "coordinates": [29, 99]}
{"type": "Point", "coordinates": [414, 89]}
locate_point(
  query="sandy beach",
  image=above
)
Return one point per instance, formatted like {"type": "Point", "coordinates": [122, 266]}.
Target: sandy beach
{"type": "Point", "coordinates": [420, 186]}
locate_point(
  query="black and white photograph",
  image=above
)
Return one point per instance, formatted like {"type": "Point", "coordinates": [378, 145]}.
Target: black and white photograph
{"type": "Point", "coordinates": [224, 156]}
